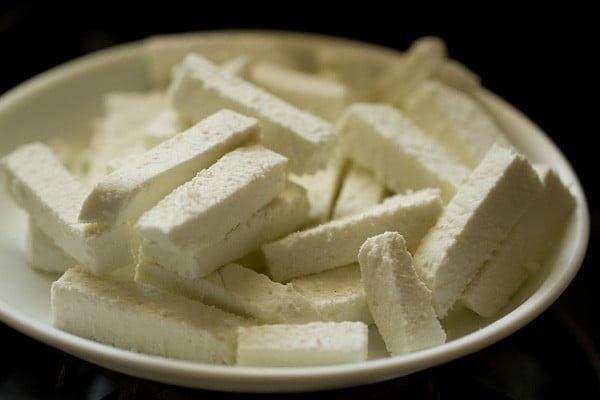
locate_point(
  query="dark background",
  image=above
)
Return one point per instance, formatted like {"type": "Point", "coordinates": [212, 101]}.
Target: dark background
{"type": "Point", "coordinates": [542, 60]}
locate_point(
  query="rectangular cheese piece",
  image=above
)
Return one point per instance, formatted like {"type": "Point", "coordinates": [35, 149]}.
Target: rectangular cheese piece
{"type": "Point", "coordinates": [322, 188]}
{"type": "Point", "coordinates": [43, 254]}
{"type": "Point", "coordinates": [285, 214]}
{"type": "Point", "coordinates": [399, 302]}
{"type": "Point", "coordinates": [348, 64]}
{"type": "Point", "coordinates": [54, 208]}
{"type": "Point", "coordinates": [420, 61]}
{"type": "Point", "coordinates": [381, 139]}
{"type": "Point", "coordinates": [163, 52]}
{"type": "Point", "coordinates": [236, 289]}
{"type": "Point", "coordinates": [163, 126]}
{"type": "Point", "coordinates": [201, 88]}
{"type": "Point", "coordinates": [317, 94]}
{"type": "Point", "coordinates": [337, 294]}
{"type": "Point", "coordinates": [124, 194]}
{"type": "Point", "coordinates": [359, 192]}
{"type": "Point", "coordinates": [501, 276]}
{"type": "Point", "coordinates": [474, 223]}
{"type": "Point", "coordinates": [336, 243]}
{"type": "Point", "coordinates": [237, 65]}
{"type": "Point", "coordinates": [203, 210]}
{"type": "Point", "coordinates": [455, 120]}
{"type": "Point", "coordinates": [454, 74]}
{"type": "Point", "coordinates": [119, 131]}
{"type": "Point", "coordinates": [315, 343]}
{"type": "Point", "coordinates": [141, 318]}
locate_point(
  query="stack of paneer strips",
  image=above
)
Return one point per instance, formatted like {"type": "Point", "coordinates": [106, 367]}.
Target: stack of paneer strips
{"type": "Point", "coordinates": [256, 213]}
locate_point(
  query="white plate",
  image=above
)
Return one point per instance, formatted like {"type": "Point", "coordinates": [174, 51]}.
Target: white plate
{"type": "Point", "coordinates": [62, 101]}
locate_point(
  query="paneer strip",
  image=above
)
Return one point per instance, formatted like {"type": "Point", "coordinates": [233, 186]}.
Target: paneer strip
{"type": "Point", "coordinates": [337, 294]}
{"type": "Point", "coordinates": [40, 185]}
{"type": "Point", "coordinates": [421, 60]}
{"type": "Point", "coordinates": [141, 318]}
{"type": "Point", "coordinates": [501, 276]}
{"type": "Point", "coordinates": [235, 289]}
{"type": "Point", "coordinates": [336, 243]}
{"type": "Point", "coordinates": [399, 302]}
{"type": "Point", "coordinates": [118, 133]}
{"type": "Point", "coordinates": [163, 126]}
{"type": "Point", "coordinates": [237, 65]}
{"type": "Point", "coordinates": [320, 95]}
{"type": "Point", "coordinates": [347, 64]}
{"type": "Point", "coordinates": [359, 191]}
{"type": "Point", "coordinates": [322, 188]}
{"type": "Point", "coordinates": [42, 253]}
{"type": "Point", "coordinates": [381, 139]}
{"type": "Point", "coordinates": [126, 193]}
{"type": "Point", "coordinates": [452, 73]}
{"type": "Point", "coordinates": [201, 88]}
{"type": "Point", "coordinates": [203, 210]}
{"type": "Point", "coordinates": [163, 52]}
{"type": "Point", "coordinates": [285, 214]}
{"type": "Point", "coordinates": [455, 120]}
{"type": "Point", "coordinates": [474, 224]}
{"type": "Point", "coordinates": [312, 344]}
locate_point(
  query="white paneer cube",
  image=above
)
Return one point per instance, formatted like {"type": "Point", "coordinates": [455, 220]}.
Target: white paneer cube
{"type": "Point", "coordinates": [38, 183]}
{"type": "Point", "coordinates": [42, 253]}
{"type": "Point", "coordinates": [399, 302]}
{"type": "Point", "coordinates": [285, 214]}
{"type": "Point", "coordinates": [201, 88]}
{"type": "Point", "coordinates": [317, 94]}
{"type": "Point", "coordinates": [163, 126]}
{"type": "Point", "coordinates": [348, 65]}
{"type": "Point", "coordinates": [141, 318]}
{"type": "Point", "coordinates": [452, 73]}
{"type": "Point", "coordinates": [203, 210]}
{"type": "Point", "coordinates": [420, 61]}
{"type": "Point", "coordinates": [322, 188]}
{"type": "Point", "coordinates": [130, 190]}
{"type": "Point", "coordinates": [163, 52]}
{"type": "Point", "coordinates": [236, 289]}
{"type": "Point", "coordinates": [381, 139]}
{"type": "Point", "coordinates": [312, 344]}
{"type": "Point", "coordinates": [474, 224]}
{"type": "Point", "coordinates": [337, 294]}
{"type": "Point", "coordinates": [359, 191]}
{"type": "Point", "coordinates": [336, 243]}
{"type": "Point", "coordinates": [119, 132]}
{"type": "Point", "coordinates": [455, 120]}
{"type": "Point", "coordinates": [501, 276]}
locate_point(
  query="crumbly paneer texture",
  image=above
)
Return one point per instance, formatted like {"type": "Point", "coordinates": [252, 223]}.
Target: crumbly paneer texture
{"type": "Point", "coordinates": [54, 208]}
{"type": "Point", "coordinates": [336, 243]}
{"type": "Point", "coordinates": [236, 289]}
{"type": "Point", "coordinates": [359, 191]}
{"type": "Point", "coordinates": [318, 94]}
{"type": "Point", "coordinates": [399, 302]}
{"type": "Point", "coordinates": [285, 214]}
{"type": "Point", "coordinates": [203, 210]}
{"type": "Point", "coordinates": [501, 276]}
{"type": "Point", "coordinates": [130, 190]}
{"type": "Point", "coordinates": [454, 119]}
{"type": "Point", "coordinates": [337, 294]}
{"type": "Point", "coordinates": [381, 139]}
{"type": "Point", "coordinates": [474, 224]}
{"type": "Point", "coordinates": [201, 88]}
{"type": "Point", "coordinates": [141, 318]}
{"type": "Point", "coordinates": [42, 253]}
